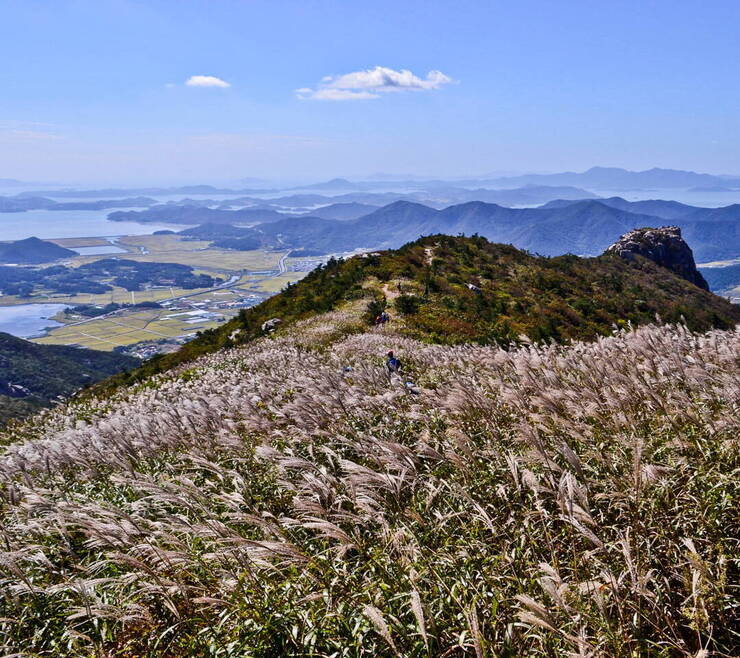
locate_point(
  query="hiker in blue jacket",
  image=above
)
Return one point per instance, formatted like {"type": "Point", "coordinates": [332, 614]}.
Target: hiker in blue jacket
{"type": "Point", "coordinates": [393, 368]}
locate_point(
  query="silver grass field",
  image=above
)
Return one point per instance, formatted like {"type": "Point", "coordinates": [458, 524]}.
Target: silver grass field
{"type": "Point", "coordinates": [287, 499]}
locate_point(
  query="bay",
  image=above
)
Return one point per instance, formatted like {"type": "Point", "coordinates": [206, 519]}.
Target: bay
{"type": "Point", "coordinates": [49, 224]}
{"type": "Point", "coordinates": [29, 320]}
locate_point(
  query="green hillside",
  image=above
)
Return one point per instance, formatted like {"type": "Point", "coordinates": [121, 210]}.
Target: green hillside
{"type": "Point", "coordinates": [49, 371]}
{"type": "Point", "coordinates": [560, 298]}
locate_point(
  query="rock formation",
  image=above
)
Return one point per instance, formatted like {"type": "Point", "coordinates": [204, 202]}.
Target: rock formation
{"type": "Point", "coordinates": [271, 325]}
{"type": "Point", "coordinates": [663, 246]}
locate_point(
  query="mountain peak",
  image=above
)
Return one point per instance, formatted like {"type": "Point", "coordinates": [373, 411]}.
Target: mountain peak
{"type": "Point", "coordinates": [665, 247]}
{"type": "Point", "coordinates": [596, 169]}
{"type": "Point", "coordinates": [402, 205]}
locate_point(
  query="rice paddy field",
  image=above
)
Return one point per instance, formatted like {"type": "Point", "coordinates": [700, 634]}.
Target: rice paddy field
{"type": "Point", "coordinates": [173, 249]}
{"type": "Point", "coordinates": [257, 272]}
{"type": "Point", "coordinates": [130, 327]}
{"type": "Point", "coordinates": [115, 295]}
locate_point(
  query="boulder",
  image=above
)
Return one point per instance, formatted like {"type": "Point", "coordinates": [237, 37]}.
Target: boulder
{"type": "Point", "coordinates": [665, 247]}
{"type": "Point", "coordinates": [271, 325]}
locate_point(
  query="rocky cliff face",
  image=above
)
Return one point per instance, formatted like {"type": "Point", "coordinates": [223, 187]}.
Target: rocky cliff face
{"type": "Point", "coordinates": [663, 246]}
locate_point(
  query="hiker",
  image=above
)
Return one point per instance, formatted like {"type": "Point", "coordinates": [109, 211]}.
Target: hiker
{"type": "Point", "coordinates": [393, 365]}
{"type": "Point", "coordinates": [384, 317]}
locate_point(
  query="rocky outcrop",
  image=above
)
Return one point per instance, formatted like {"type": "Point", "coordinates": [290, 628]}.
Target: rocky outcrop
{"type": "Point", "coordinates": [271, 325]}
{"type": "Point", "coordinates": [663, 246]}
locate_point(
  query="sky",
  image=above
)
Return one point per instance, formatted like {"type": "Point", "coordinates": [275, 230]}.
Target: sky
{"type": "Point", "coordinates": [214, 91]}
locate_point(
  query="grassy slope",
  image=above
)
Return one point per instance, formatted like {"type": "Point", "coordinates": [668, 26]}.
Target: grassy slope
{"type": "Point", "coordinates": [269, 501]}
{"type": "Point", "coordinates": [285, 498]}
{"type": "Point", "coordinates": [558, 298]}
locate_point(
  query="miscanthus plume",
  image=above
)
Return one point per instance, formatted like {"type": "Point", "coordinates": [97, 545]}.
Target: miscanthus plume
{"type": "Point", "coordinates": [288, 499]}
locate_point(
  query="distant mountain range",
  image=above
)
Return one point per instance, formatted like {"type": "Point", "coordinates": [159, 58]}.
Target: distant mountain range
{"type": "Point", "coordinates": [657, 208]}
{"type": "Point", "coordinates": [600, 178]}
{"type": "Point", "coordinates": [614, 178]}
{"type": "Point", "coordinates": [528, 195]}
{"type": "Point", "coordinates": [596, 178]}
{"type": "Point", "coordinates": [23, 203]}
{"type": "Point", "coordinates": [342, 207]}
{"type": "Point", "coordinates": [176, 214]}
{"type": "Point", "coordinates": [584, 227]}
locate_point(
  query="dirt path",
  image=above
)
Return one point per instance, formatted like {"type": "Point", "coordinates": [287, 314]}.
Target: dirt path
{"type": "Point", "coordinates": [390, 290]}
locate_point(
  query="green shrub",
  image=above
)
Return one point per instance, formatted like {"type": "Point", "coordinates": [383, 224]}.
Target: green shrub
{"type": "Point", "coordinates": [408, 304]}
{"type": "Point", "coordinates": [374, 309]}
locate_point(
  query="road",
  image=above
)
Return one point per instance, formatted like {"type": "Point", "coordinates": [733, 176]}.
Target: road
{"type": "Point", "coordinates": [281, 265]}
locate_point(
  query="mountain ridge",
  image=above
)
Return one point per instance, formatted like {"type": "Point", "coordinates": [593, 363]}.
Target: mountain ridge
{"type": "Point", "coordinates": [584, 227]}
{"type": "Point", "coordinates": [472, 290]}
{"type": "Point", "coordinates": [618, 178]}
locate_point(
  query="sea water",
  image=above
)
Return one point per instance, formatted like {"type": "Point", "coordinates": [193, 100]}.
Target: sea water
{"type": "Point", "coordinates": [29, 320]}
{"type": "Point", "coordinates": [50, 224]}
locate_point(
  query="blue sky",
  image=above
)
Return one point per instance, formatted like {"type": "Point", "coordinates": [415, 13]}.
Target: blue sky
{"type": "Point", "coordinates": [95, 90]}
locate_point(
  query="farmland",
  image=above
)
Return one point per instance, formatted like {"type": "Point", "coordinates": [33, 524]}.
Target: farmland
{"type": "Point", "coordinates": [242, 279]}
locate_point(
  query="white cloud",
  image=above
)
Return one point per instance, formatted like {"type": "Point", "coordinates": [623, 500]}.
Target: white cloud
{"type": "Point", "coordinates": [361, 85]}
{"type": "Point", "coordinates": [206, 81]}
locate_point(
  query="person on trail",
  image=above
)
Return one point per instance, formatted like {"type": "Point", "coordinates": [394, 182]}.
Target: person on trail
{"type": "Point", "coordinates": [393, 365]}
{"type": "Point", "coordinates": [382, 318]}
{"type": "Point", "coordinates": [393, 368]}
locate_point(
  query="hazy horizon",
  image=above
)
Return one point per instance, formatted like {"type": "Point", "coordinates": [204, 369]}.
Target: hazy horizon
{"type": "Point", "coordinates": [289, 182]}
